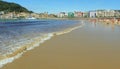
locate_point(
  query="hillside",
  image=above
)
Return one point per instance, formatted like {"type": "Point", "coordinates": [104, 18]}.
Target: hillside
{"type": "Point", "coordinates": [11, 7]}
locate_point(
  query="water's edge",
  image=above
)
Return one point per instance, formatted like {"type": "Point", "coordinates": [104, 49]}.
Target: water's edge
{"type": "Point", "coordinates": [18, 53]}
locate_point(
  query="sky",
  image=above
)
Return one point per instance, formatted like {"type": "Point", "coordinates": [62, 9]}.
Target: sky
{"type": "Point", "coordinates": [55, 6]}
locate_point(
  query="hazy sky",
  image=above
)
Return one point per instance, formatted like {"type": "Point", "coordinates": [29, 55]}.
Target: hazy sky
{"type": "Point", "coordinates": [67, 5]}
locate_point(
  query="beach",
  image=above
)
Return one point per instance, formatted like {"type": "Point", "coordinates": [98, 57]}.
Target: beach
{"type": "Point", "coordinates": [93, 46]}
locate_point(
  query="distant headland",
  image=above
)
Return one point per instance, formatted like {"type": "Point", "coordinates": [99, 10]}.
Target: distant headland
{"type": "Point", "coordinates": [12, 7]}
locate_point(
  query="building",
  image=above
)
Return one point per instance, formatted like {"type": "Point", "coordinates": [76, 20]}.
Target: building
{"type": "Point", "coordinates": [105, 13]}
{"type": "Point", "coordinates": [92, 14]}
{"type": "Point", "coordinates": [66, 14]}
{"type": "Point", "coordinates": [35, 15]}
{"type": "Point", "coordinates": [42, 15]}
{"type": "Point", "coordinates": [61, 14]}
{"type": "Point", "coordinates": [23, 15]}
{"type": "Point", "coordinates": [52, 16]}
{"type": "Point", "coordinates": [70, 14]}
{"type": "Point", "coordinates": [100, 13]}
{"type": "Point", "coordinates": [85, 14]}
{"type": "Point", "coordinates": [78, 14]}
{"type": "Point", "coordinates": [9, 15]}
{"type": "Point", "coordinates": [117, 13]}
{"type": "Point", "coordinates": [109, 13]}
{"type": "Point", "coordinates": [1, 14]}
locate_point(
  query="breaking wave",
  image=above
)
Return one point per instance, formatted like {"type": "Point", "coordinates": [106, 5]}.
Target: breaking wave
{"type": "Point", "coordinates": [31, 43]}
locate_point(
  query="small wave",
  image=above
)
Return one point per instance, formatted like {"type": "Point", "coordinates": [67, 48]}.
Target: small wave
{"type": "Point", "coordinates": [39, 41]}
{"type": "Point", "coordinates": [68, 30]}
{"type": "Point", "coordinates": [9, 60]}
{"type": "Point", "coordinates": [34, 43]}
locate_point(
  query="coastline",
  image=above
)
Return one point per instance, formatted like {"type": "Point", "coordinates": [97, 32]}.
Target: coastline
{"type": "Point", "coordinates": [75, 50]}
{"type": "Point", "coordinates": [9, 58]}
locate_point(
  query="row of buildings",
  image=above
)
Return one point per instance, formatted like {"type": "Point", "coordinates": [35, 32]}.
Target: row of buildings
{"type": "Point", "coordinates": [104, 13]}
{"type": "Point", "coordinates": [24, 15]}
{"type": "Point", "coordinates": [77, 14]}
{"type": "Point", "coordinates": [14, 15]}
{"type": "Point", "coordinates": [91, 14]}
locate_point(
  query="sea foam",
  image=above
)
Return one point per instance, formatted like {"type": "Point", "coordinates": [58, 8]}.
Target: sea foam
{"type": "Point", "coordinates": [28, 44]}
{"type": "Point", "coordinates": [37, 43]}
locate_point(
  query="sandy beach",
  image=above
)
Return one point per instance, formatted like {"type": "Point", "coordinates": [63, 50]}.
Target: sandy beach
{"type": "Point", "coordinates": [90, 47]}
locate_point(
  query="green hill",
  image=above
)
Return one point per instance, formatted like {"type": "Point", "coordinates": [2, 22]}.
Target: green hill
{"type": "Point", "coordinates": [11, 7]}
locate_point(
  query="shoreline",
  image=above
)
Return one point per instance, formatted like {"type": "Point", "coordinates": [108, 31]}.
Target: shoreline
{"type": "Point", "coordinates": [9, 58]}
{"type": "Point", "coordinates": [75, 50]}
{"type": "Point", "coordinates": [115, 21]}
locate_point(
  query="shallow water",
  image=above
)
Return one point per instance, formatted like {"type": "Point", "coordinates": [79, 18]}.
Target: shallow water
{"type": "Point", "coordinates": [20, 35]}
{"type": "Point", "coordinates": [93, 46]}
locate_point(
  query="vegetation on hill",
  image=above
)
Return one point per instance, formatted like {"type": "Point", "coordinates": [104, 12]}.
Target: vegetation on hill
{"type": "Point", "coordinates": [12, 7]}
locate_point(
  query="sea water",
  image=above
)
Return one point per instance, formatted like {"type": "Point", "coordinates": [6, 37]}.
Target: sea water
{"type": "Point", "coordinates": [19, 36]}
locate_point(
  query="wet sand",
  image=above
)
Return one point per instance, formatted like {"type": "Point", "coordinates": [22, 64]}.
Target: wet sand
{"type": "Point", "coordinates": [89, 47]}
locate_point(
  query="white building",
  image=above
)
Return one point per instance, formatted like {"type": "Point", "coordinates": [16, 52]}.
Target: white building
{"type": "Point", "coordinates": [105, 13]}
{"type": "Point", "coordinates": [92, 14]}
{"type": "Point", "coordinates": [109, 13]}
{"type": "Point", "coordinates": [100, 13]}
{"type": "Point", "coordinates": [1, 13]}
